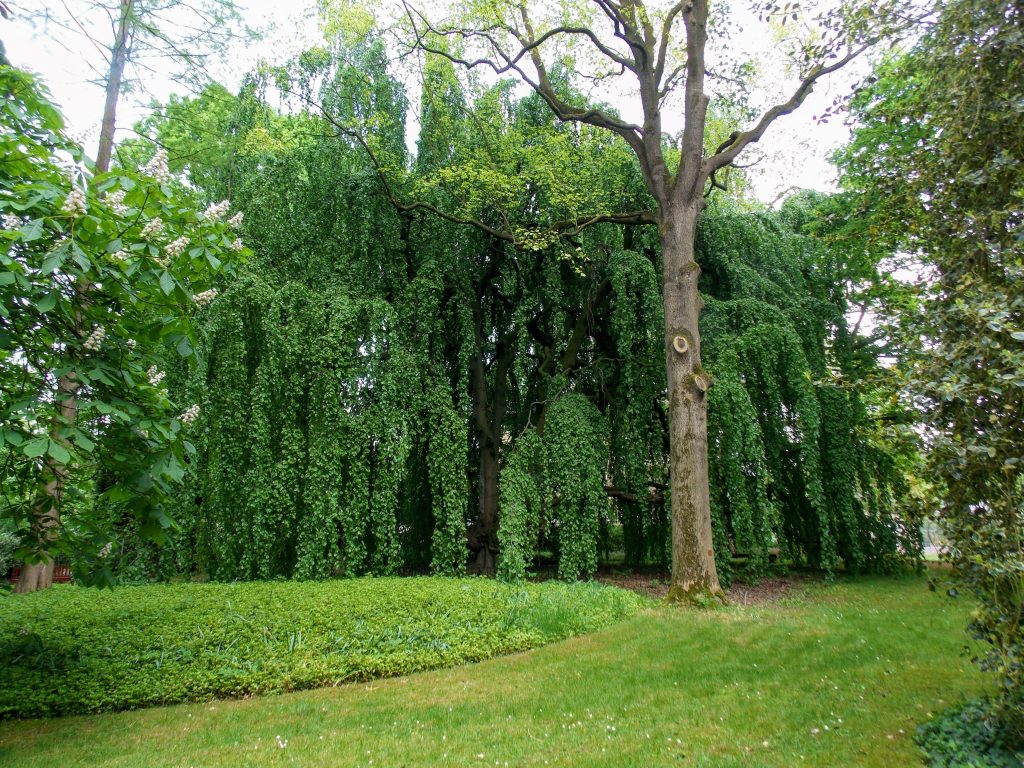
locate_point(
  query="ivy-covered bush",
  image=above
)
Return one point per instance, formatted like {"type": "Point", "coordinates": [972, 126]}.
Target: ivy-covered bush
{"type": "Point", "coordinates": [71, 649]}
{"type": "Point", "coordinates": [969, 736]}
{"type": "Point", "coordinates": [925, 179]}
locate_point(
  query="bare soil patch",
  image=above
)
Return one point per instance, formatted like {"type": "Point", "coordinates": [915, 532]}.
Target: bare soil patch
{"type": "Point", "coordinates": [769, 590]}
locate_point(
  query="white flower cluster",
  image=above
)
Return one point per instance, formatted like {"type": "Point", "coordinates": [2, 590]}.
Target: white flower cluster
{"type": "Point", "coordinates": [217, 210]}
{"type": "Point", "coordinates": [92, 344]}
{"type": "Point", "coordinates": [157, 167]}
{"type": "Point", "coordinates": [115, 200]}
{"type": "Point", "coordinates": [130, 343]}
{"type": "Point", "coordinates": [236, 220]}
{"type": "Point", "coordinates": [236, 244]}
{"type": "Point", "coordinates": [152, 228]}
{"type": "Point", "coordinates": [189, 415]}
{"type": "Point", "coordinates": [11, 221]}
{"type": "Point", "coordinates": [106, 550]}
{"type": "Point", "coordinates": [175, 249]}
{"type": "Point", "coordinates": [74, 203]}
{"type": "Point", "coordinates": [155, 376]}
{"type": "Point", "coordinates": [121, 255]}
{"type": "Point", "coordinates": [204, 298]}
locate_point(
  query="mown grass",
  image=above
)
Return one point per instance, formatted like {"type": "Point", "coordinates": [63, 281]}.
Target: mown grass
{"type": "Point", "coordinates": [839, 676]}
{"type": "Point", "coordinates": [73, 650]}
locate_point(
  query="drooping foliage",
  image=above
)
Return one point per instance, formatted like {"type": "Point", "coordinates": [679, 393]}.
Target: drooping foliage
{"type": "Point", "coordinates": [390, 390]}
{"type": "Point", "coordinates": [789, 430]}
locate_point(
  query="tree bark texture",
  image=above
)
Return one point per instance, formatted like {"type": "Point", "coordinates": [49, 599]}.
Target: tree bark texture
{"type": "Point", "coordinates": [693, 556]}
{"type": "Point", "coordinates": [118, 58]}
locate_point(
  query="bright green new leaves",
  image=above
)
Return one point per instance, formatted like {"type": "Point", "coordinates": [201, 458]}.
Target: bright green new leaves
{"type": "Point", "coordinates": [99, 277]}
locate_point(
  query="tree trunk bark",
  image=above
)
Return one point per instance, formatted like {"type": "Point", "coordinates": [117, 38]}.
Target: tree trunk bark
{"type": "Point", "coordinates": [694, 576]}
{"type": "Point", "coordinates": [34, 577]}
{"type": "Point", "coordinates": [485, 533]}
{"type": "Point", "coordinates": [118, 58]}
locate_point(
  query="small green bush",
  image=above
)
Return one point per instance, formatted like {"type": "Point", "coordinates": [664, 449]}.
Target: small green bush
{"type": "Point", "coordinates": [8, 544]}
{"type": "Point", "coordinates": [969, 736]}
{"type": "Point", "coordinates": [71, 649]}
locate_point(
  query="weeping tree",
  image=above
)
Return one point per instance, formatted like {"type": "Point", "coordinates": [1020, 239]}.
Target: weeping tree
{"type": "Point", "coordinates": [646, 46]}
{"type": "Point", "coordinates": [390, 388]}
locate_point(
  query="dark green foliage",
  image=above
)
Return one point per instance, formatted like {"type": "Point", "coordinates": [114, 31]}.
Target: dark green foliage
{"type": "Point", "coordinates": [70, 650]}
{"type": "Point", "coordinates": [797, 461]}
{"type": "Point", "coordinates": [968, 736]}
{"type": "Point", "coordinates": [303, 455]}
{"type": "Point", "coordinates": [554, 483]}
{"type": "Point", "coordinates": [379, 377]}
{"type": "Point", "coordinates": [8, 546]}
{"type": "Point", "coordinates": [936, 171]}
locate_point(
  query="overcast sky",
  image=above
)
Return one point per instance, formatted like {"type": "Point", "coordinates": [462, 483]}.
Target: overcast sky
{"type": "Point", "coordinates": [795, 150]}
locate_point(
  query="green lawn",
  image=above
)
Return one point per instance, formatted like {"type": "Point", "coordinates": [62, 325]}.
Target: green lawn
{"type": "Point", "coordinates": [837, 676]}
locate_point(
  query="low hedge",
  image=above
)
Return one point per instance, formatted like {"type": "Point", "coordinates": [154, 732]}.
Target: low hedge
{"type": "Point", "coordinates": [72, 650]}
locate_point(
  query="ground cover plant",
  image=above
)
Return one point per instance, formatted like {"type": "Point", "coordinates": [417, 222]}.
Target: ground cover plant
{"type": "Point", "coordinates": [830, 676]}
{"type": "Point", "coordinates": [71, 649]}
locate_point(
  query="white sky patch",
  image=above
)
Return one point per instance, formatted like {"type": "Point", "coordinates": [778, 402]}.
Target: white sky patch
{"type": "Point", "coordinates": [793, 153]}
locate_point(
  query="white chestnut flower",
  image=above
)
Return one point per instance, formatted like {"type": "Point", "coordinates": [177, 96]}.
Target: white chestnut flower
{"type": "Point", "coordinates": [130, 343]}
{"type": "Point", "coordinates": [190, 414]}
{"type": "Point", "coordinates": [74, 203]}
{"type": "Point", "coordinates": [157, 167]}
{"type": "Point", "coordinates": [175, 249]}
{"type": "Point", "coordinates": [106, 550]}
{"type": "Point", "coordinates": [217, 210]}
{"type": "Point", "coordinates": [121, 255]}
{"type": "Point", "coordinates": [236, 244]}
{"type": "Point", "coordinates": [115, 200]}
{"type": "Point", "coordinates": [152, 228]}
{"type": "Point", "coordinates": [204, 298]}
{"type": "Point", "coordinates": [10, 221]}
{"type": "Point", "coordinates": [236, 220]}
{"type": "Point", "coordinates": [92, 344]}
{"type": "Point", "coordinates": [155, 376]}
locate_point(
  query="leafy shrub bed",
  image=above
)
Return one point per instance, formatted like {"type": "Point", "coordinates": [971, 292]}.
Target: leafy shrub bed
{"type": "Point", "coordinates": [71, 649]}
{"type": "Point", "coordinates": [965, 737]}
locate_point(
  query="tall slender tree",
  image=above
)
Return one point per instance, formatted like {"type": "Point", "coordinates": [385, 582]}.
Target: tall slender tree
{"type": "Point", "coordinates": [138, 27]}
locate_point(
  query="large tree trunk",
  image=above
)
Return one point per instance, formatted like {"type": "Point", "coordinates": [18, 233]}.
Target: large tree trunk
{"type": "Point", "coordinates": [693, 557]}
{"type": "Point", "coordinates": [488, 422]}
